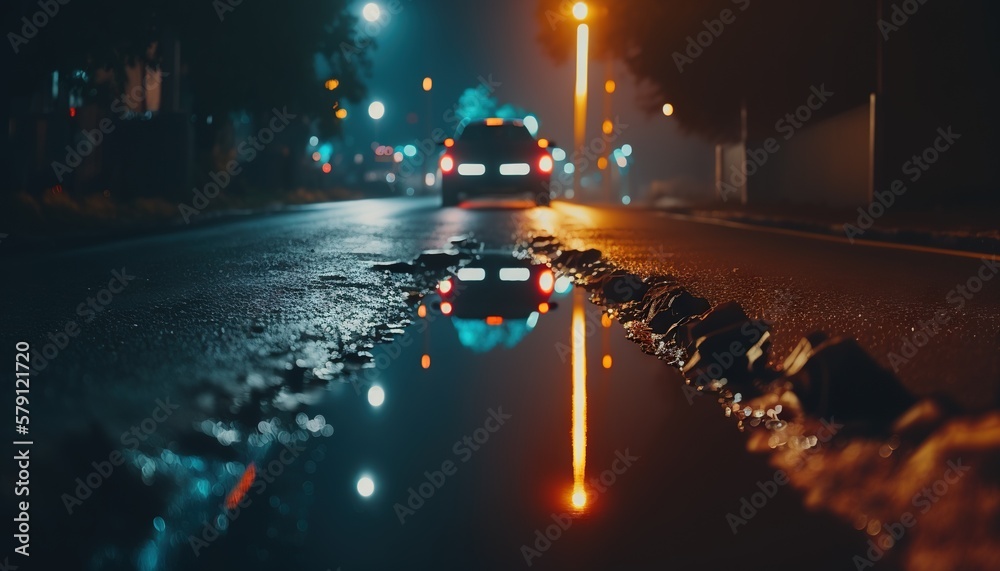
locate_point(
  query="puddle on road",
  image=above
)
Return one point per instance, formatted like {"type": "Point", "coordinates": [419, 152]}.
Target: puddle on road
{"type": "Point", "coordinates": [512, 421]}
{"type": "Point", "coordinates": [547, 416]}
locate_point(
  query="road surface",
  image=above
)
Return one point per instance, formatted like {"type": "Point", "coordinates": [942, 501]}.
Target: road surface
{"type": "Point", "coordinates": [174, 360]}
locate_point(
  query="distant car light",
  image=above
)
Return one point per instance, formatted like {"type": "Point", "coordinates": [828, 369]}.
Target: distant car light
{"type": "Point", "coordinates": [546, 281]}
{"type": "Point", "coordinates": [449, 142]}
{"type": "Point", "coordinates": [445, 286]}
{"type": "Point", "coordinates": [446, 308]}
{"type": "Point", "coordinates": [471, 274]}
{"type": "Point", "coordinates": [543, 308]}
{"type": "Point", "coordinates": [515, 169]}
{"type": "Point", "coordinates": [471, 169]}
{"type": "Point", "coordinates": [515, 274]}
{"type": "Point", "coordinates": [543, 143]}
{"type": "Point", "coordinates": [545, 164]}
{"type": "Point", "coordinates": [447, 164]}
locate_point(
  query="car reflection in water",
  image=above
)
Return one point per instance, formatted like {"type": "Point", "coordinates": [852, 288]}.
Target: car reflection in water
{"type": "Point", "coordinates": [496, 300]}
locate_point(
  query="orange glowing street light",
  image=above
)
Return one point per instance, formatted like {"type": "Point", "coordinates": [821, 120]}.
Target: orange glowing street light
{"type": "Point", "coordinates": [580, 11]}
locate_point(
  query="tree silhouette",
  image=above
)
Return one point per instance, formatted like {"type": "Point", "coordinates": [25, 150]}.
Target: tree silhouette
{"type": "Point", "coordinates": [707, 58]}
{"type": "Point", "coordinates": [235, 56]}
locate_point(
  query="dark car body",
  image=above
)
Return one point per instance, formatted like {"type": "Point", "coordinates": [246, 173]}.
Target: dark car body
{"type": "Point", "coordinates": [497, 286]}
{"type": "Point", "coordinates": [495, 157]}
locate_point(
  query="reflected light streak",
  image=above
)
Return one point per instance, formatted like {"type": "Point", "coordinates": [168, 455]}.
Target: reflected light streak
{"type": "Point", "coordinates": [582, 49]}
{"type": "Point", "coordinates": [579, 341]}
{"type": "Point", "coordinates": [240, 490]}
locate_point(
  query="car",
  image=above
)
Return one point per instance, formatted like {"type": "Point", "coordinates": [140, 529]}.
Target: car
{"type": "Point", "coordinates": [496, 286]}
{"type": "Point", "coordinates": [496, 300]}
{"type": "Point", "coordinates": [495, 157]}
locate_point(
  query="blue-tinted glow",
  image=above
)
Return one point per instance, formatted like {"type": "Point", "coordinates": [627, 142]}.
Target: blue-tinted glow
{"type": "Point", "coordinates": [626, 200]}
{"type": "Point", "coordinates": [532, 320]}
{"type": "Point", "coordinates": [568, 168]}
{"type": "Point", "coordinates": [479, 337]}
{"type": "Point", "coordinates": [563, 284]}
{"type": "Point", "coordinates": [202, 488]}
{"type": "Point", "coordinates": [313, 141]}
{"type": "Point", "coordinates": [410, 151]}
{"type": "Point", "coordinates": [558, 154]}
{"type": "Point", "coordinates": [148, 557]}
{"type": "Point", "coordinates": [159, 524]}
{"type": "Point", "coordinates": [325, 152]}
{"type": "Point", "coordinates": [627, 150]}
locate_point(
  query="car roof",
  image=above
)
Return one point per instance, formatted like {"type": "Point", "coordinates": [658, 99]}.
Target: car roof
{"type": "Point", "coordinates": [490, 122]}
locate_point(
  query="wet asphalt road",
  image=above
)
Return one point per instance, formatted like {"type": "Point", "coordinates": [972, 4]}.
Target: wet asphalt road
{"type": "Point", "coordinates": [199, 296]}
{"type": "Point", "coordinates": [255, 310]}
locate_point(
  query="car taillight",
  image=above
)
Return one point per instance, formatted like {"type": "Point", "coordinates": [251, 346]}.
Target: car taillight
{"type": "Point", "coordinates": [445, 286]}
{"type": "Point", "coordinates": [545, 164]}
{"type": "Point", "coordinates": [447, 163]}
{"type": "Point", "coordinates": [546, 281]}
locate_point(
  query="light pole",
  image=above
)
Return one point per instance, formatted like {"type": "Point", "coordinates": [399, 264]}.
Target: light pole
{"type": "Point", "coordinates": [580, 10]}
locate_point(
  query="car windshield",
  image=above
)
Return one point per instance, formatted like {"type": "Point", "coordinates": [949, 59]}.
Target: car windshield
{"type": "Point", "coordinates": [508, 132]}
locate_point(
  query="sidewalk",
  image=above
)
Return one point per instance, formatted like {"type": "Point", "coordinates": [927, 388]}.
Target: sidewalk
{"type": "Point", "coordinates": [966, 228]}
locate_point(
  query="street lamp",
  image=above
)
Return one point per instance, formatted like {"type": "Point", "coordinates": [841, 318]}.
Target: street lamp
{"type": "Point", "coordinates": [371, 12]}
{"type": "Point", "coordinates": [376, 110]}
{"type": "Point", "coordinates": [668, 109]}
{"type": "Point", "coordinates": [428, 84]}
{"type": "Point", "coordinates": [580, 11]}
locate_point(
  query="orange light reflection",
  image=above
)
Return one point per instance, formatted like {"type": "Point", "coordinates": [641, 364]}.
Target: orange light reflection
{"type": "Point", "coordinates": [579, 353]}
